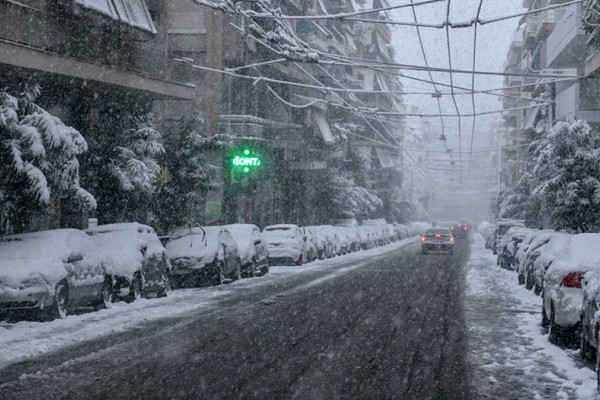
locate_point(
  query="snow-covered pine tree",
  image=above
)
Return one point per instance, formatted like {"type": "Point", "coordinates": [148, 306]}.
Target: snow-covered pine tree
{"type": "Point", "coordinates": [188, 176]}
{"type": "Point", "coordinates": [123, 164]}
{"type": "Point", "coordinates": [39, 163]}
{"type": "Point", "coordinates": [567, 172]}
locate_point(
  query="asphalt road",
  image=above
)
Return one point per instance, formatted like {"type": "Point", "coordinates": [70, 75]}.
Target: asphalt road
{"type": "Point", "coordinates": [388, 327]}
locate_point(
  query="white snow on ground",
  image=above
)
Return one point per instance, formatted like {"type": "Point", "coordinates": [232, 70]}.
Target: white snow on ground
{"type": "Point", "coordinates": [510, 352]}
{"type": "Point", "coordinates": [24, 340]}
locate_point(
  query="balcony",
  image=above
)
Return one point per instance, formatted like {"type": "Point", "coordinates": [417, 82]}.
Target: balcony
{"type": "Point", "coordinates": [530, 36]}
{"type": "Point", "coordinates": [545, 23]}
{"type": "Point", "coordinates": [251, 127]}
{"type": "Point", "coordinates": [579, 101]}
{"type": "Point", "coordinates": [566, 43]}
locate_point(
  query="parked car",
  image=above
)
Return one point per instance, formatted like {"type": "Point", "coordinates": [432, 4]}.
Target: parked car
{"type": "Point", "coordinates": [502, 226]}
{"type": "Point", "coordinates": [203, 255]}
{"type": "Point", "coordinates": [437, 240]}
{"type": "Point", "coordinates": [562, 294]}
{"type": "Point", "coordinates": [507, 251]}
{"type": "Point", "coordinates": [590, 321]}
{"type": "Point", "coordinates": [312, 252]}
{"type": "Point", "coordinates": [51, 273]}
{"type": "Point", "coordinates": [323, 244]}
{"type": "Point", "coordinates": [556, 245]}
{"type": "Point", "coordinates": [529, 252]}
{"type": "Point", "coordinates": [286, 243]}
{"type": "Point", "coordinates": [140, 264]}
{"type": "Point", "coordinates": [253, 252]}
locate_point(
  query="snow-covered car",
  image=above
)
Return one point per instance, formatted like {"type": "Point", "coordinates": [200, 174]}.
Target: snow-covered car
{"type": "Point", "coordinates": [528, 252]}
{"type": "Point", "coordinates": [322, 241]}
{"type": "Point", "coordinates": [547, 253]}
{"type": "Point", "coordinates": [437, 240]}
{"type": "Point", "coordinates": [380, 230]}
{"type": "Point", "coordinates": [563, 295]}
{"type": "Point", "coordinates": [140, 263]}
{"type": "Point", "coordinates": [590, 319]}
{"type": "Point", "coordinates": [508, 248]}
{"type": "Point", "coordinates": [203, 255]}
{"type": "Point", "coordinates": [253, 251]}
{"type": "Point", "coordinates": [286, 243]}
{"type": "Point", "coordinates": [312, 251]}
{"type": "Point", "coordinates": [51, 273]}
{"type": "Point", "coordinates": [502, 226]}
{"type": "Point", "coordinates": [353, 238]}
{"type": "Point", "coordinates": [368, 237]}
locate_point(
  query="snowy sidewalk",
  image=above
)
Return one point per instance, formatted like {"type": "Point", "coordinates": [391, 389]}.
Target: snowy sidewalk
{"type": "Point", "coordinates": [509, 351]}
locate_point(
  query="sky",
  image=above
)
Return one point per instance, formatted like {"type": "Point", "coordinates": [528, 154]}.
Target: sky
{"type": "Point", "coordinates": [493, 41]}
{"type": "Point", "coordinates": [492, 46]}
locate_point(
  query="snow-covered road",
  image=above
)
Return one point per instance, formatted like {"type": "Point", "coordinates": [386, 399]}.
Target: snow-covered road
{"type": "Point", "coordinates": [24, 340]}
{"type": "Point", "coordinates": [510, 352]}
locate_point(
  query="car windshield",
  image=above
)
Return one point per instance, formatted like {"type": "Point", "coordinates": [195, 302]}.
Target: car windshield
{"type": "Point", "coordinates": [300, 199]}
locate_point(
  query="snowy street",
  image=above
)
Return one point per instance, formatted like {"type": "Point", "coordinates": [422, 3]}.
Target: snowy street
{"type": "Point", "coordinates": [385, 323]}
{"type": "Point", "coordinates": [379, 324]}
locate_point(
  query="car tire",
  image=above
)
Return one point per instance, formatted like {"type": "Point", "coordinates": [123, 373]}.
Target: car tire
{"type": "Point", "coordinates": [520, 278]}
{"type": "Point", "coordinates": [529, 284]}
{"type": "Point", "coordinates": [555, 332]}
{"type": "Point", "coordinates": [537, 289]}
{"type": "Point", "coordinates": [218, 275]}
{"type": "Point", "coordinates": [237, 273]}
{"type": "Point", "coordinates": [60, 303]}
{"type": "Point", "coordinates": [252, 272]}
{"type": "Point", "coordinates": [164, 291]}
{"type": "Point", "coordinates": [105, 299]}
{"type": "Point", "coordinates": [135, 289]}
{"type": "Point", "coordinates": [265, 269]}
{"type": "Point", "coordinates": [545, 320]}
{"type": "Point", "coordinates": [299, 262]}
{"type": "Point", "coordinates": [585, 348]}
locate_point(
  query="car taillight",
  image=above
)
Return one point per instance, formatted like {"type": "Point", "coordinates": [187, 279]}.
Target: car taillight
{"type": "Point", "coordinates": [465, 228]}
{"type": "Point", "coordinates": [451, 228]}
{"type": "Point", "coordinates": [423, 238]}
{"type": "Point", "coordinates": [573, 280]}
{"type": "Point", "coordinates": [534, 256]}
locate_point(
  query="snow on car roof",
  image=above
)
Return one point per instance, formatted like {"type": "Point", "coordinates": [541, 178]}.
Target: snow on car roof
{"type": "Point", "coordinates": [127, 245]}
{"type": "Point", "coordinates": [42, 253]}
{"type": "Point", "coordinates": [197, 242]}
{"type": "Point", "coordinates": [582, 253]}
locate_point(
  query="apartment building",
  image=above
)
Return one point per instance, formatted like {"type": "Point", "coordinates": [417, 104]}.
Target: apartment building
{"type": "Point", "coordinates": [550, 42]}
{"type": "Point", "coordinates": [300, 128]}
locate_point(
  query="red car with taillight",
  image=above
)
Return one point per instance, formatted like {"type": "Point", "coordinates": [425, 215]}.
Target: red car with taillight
{"type": "Point", "coordinates": [562, 285]}
{"type": "Point", "coordinates": [437, 240]}
{"type": "Point", "coordinates": [460, 230]}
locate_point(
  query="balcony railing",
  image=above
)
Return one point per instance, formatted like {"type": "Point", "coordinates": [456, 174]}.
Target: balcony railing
{"type": "Point", "coordinates": [249, 126]}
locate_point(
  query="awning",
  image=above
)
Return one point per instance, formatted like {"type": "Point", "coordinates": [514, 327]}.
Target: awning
{"type": "Point", "coordinates": [385, 158]}
{"type": "Point", "coordinates": [324, 128]}
{"type": "Point", "coordinates": [134, 13]}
